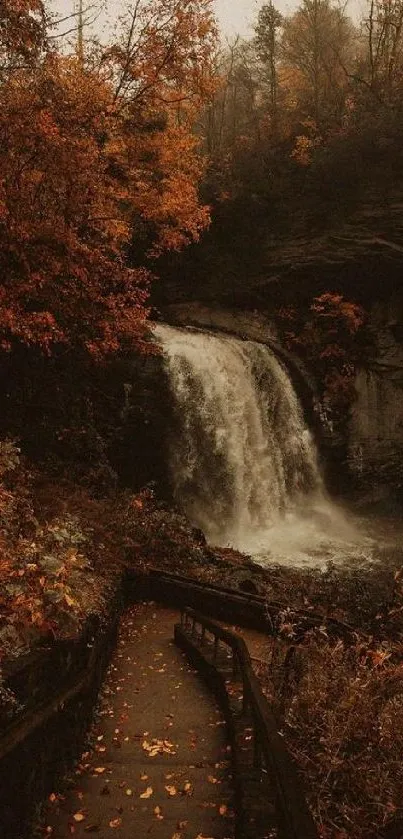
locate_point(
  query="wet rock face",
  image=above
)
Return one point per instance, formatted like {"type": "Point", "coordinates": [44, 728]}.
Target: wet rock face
{"type": "Point", "coordinates": [138, 451]}
{"type": "Point", "coordinates": [248, 586]}
{"type": "Point", "coordinates": [375, 433]}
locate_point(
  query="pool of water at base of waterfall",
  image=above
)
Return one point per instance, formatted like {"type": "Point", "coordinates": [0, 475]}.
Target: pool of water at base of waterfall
{"type": "Point", "coordinates": [317, 536]}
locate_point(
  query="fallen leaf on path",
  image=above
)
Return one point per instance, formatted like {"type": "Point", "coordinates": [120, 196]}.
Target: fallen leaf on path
{"type": "Point", "coordinates": [147, 794]}
{"type": "Point", "coordinates": [115, 823]}
{"type": "Point", "coordinates": [171, 790]}
{"type": "Point", "coordinates": [158, 747]}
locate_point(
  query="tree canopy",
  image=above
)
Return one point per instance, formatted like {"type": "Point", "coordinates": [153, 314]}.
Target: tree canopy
{"type": "Point", "coordinates": [93, 149]}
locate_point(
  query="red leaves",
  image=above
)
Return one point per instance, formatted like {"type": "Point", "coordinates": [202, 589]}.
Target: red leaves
{"type": "Point", "coordinates": [22, 27]}
{"type": "Point", "coordinates": [334, 308]}
{"type": "Point", "coordinates": [79, 162]}
{"type": "Point", "coordinates": [328, 337]}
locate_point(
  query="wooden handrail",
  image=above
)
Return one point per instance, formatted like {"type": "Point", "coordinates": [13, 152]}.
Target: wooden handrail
{"type": "Point", "coordinates": [270, 751]}
{"type": "Point", "coordinates": [309, 619]}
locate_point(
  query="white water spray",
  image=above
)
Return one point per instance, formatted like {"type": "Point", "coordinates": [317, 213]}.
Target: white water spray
{"type": "Point", "coordinates": [243, 462]}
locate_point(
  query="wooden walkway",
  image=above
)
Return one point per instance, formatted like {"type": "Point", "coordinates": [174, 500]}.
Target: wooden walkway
{"type": "Point", "coordinates": [157, 764]}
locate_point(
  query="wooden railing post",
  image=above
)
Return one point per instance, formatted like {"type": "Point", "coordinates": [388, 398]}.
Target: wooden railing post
{"type": "Point", "coordinates": [268, 748]}
{"type": "Point", "coordinates": [257, 749]}
{"type": "Point", "coordinates": [245, 697]}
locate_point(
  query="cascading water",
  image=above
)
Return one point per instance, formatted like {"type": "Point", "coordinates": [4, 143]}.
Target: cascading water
{"type": "Point", "coordinates": [243, 462]}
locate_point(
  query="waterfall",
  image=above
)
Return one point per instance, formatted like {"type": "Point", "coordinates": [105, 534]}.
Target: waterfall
{"type": "Point", "coordinates": [243, 462]}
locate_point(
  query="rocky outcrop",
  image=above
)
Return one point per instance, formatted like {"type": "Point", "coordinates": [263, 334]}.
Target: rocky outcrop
{"type": "Point", "coordinates": [357, 252]}
{"type": "Point", "coordinates": [376, 424]}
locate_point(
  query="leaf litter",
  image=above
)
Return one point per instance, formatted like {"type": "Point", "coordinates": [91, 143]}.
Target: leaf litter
{"type": "Point", "coordinates": [157, 747]}
{"type": "Point", "coordinates": [152, 747]}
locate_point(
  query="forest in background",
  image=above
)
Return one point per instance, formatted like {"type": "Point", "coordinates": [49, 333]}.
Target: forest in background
{"type": "Point", "coordinates": [123, 167]}
{"type": "Point", "coordinates": [308, 116]}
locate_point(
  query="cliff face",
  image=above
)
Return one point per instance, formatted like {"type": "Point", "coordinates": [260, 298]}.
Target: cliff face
{"type": "Point", "coordinates": [255, 267]}
{"type": "Point", "coordinates": [376, 424]}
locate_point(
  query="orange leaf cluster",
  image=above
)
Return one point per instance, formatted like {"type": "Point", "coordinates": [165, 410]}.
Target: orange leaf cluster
{"type": "Point", "coordinates": [92, 155]}
{"type": "Point", "coordinates": [328, 337]}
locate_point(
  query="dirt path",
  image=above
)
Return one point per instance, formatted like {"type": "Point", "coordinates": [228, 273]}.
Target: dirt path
{"type": "Point", "coordinates": [158, 764]}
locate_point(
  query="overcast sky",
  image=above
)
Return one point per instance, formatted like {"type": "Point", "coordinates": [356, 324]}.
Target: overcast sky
{"type": "Point", "coordinates": [235, 16]}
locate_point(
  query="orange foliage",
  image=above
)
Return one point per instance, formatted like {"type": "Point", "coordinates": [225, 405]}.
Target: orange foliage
{"type": "Point", "coordinates": [49, 576]}
{"type": "Point", "coordinates": [22, 32]}
{"type": "Point", "coordinates": [306, 144]}
{"type": "Point", "coordinates": [89, 153]}
{"type": "Point", "coordinates": [328, 338]}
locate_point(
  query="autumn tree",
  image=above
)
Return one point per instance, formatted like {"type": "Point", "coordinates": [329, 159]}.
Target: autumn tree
{"type": "Point", "coordinates": [267, 29]}
{"type": "Point", "coordinates": [230, 126]}
{"type": "Point", "coordinates": [230, 115]}
{"type": "Point", "coordinates": [90, 151]}
{"type": "Point", "coordinates": [316, 50]}
{"type": "Point", "coordinates": [162, 53]}
{"type": "Point", "coordinates": [22, 33]}
{"type": "Point", "coordinates": [381, 65]}
{"type": "Point", "coordinates": [329, 335]}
